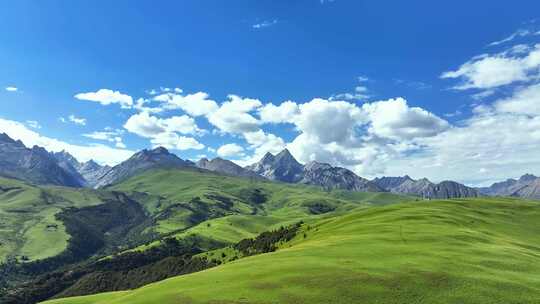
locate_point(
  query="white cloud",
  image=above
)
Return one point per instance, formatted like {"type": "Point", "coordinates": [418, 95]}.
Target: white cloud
{"type": "Point", "coordinates": [113, 136]}
{"type": "Point", "coordinates": [11, 89]}
{"type": "Point", "coordinates": [361, 92]}
{"type": "Point", "coordinates": [196, 104]}
{"type": "Point", "coordinates": [516, 34]}
{"type": "Point", "coordinates": [394, 119]}
{"type": "Point", "coordinates": [362, 78]}
{"type": "Point", "coordinates": [172, 140]}
{"type": "Point", "coordinates": [230, 150]}
{"type": "Point", "coordinates": [107, 97]}
{"type": "Point", "coordinates": [33, 124]}
{"type": "Point", "coordinates": [145, 125]}
{"type": "Point", "coordinates": [264, 24]}
{"type": "Point", "coordinates": [525, 101]}
{"type": "Point", "coordinates": [100, 153]}
{"type": "Point", "coordinates": [329, 121]}
{"type": "Point", "coordinates": [140, 106]}
{"type": "Point", "coordinates": [261, 143]}
{"type": "Point", "coordinates": [483, 94]}
{"type": "Point", "coordinates": [164, 132]}
{"type": "Point", "coordinates": [491, 71]}
{"type": "Point", "coordinates": [76, 120]}
{"type": "Point", "coordinates": [284, 113]}
{"type": "Point", "coordinates": [233, 115]}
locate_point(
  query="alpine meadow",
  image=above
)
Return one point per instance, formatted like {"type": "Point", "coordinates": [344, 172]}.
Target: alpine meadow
{"type": "Point", "coordinates": [269, 152]}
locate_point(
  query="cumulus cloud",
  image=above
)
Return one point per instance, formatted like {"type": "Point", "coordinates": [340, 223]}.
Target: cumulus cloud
{"type": "Point", "coordinates": [284, 113]}
{"type": "Point", "coordinates": [330, 121]}
{"type": "Point", "coordinates": [145, 125]}
{"type": "Point", "coordinates": [394, 119]}
{"type": "Point", "coordinates": [164, 132]}
{"type": "Point", "coordinates": [107, 97]}
{"type": "Point", "coordinates": [491, 71]}
{"type": "Point", "coordinates": [11, 89]}
{"type": "Point", "coordinates": [233, 116]}
{"type": "Point", "coordinates": [101, 153]}
{"type": "Point", "coordinates": [171, 140]}
{"type": "Point", "coordinates": [230, 150]}
{"type": "Point", "coordinates": [196, 104]}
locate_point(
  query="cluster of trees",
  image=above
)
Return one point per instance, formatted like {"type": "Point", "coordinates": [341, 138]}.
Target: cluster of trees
{"type": "Point", "coordinates": [267, 241]}
{"type": "Point", "coordinates": [126, 271]}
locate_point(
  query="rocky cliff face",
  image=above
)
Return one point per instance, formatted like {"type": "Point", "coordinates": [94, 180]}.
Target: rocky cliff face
{"type": "Point", "coordinates": [92, 172]}
{"type": "Point", "coordinates": [142, 161]}
{"type": "Point", "coordinates": [88, 173]}
{"type": "Point", "coordinates": [226, 167]}
{"type": "Point", "coordinates": [424, 188]}
{"type": "Point", "coordinates": [34, 165]}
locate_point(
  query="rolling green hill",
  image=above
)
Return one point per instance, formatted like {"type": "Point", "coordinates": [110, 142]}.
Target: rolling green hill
{"type": "Point", "coordinates": [28, 226]}
{"type": "Point", "coordinates": [174, 201]}
{"type": "Point", "coordinates": [450, 251]}
{"type": "Point", "coordinates": [51, 230]}
{"type": "Point", "coordinates": [228, 209]}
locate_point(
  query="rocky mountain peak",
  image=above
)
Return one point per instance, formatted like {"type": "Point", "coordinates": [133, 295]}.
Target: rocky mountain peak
{"type": "Point", "coordinates": [314, 165]}
{"type": "Point", "coordinates": [527, 177]}
{"type": "Point", "coordinates": [160, 150]}
{"type": "Point", "coordinates": [267, 158]}
{"type": "Point", "coordinates": [4, 138]}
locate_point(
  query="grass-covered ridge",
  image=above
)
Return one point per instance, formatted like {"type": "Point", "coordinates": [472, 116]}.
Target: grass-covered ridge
{"type": "Point", "coordinates": [450, 251]}
{"type": "Point", "coordinates": [29, 229]}
{"type": "Point", "coordinates": [227, 209]}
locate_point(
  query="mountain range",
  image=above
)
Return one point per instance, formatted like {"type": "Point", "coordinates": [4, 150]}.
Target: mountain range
{"type": "Point", "coordinates": [38, 166]}
{"type": "Point", "coordinates": [425, 188]}
{"type": "Point", "coordinates": [527, 186]}
{"type": "Point", "coordinates": [34, 164]}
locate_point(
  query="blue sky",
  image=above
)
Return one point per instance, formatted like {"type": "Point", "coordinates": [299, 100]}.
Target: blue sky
{"type": "Point", "coordinates": [380, 87]}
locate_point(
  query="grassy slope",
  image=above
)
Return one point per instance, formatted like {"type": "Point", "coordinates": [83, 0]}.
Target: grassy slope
{"type": "Point", "coordinates": [454, 251]}
{"type": "Point", "coordinates": [27, 223]}
{"type": "Point", "coordinates": [285, 203]}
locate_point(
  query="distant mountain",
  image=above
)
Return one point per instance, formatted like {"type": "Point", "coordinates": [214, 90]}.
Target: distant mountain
{"type": "Point", "coordinates": [329, 177]}
{"type": "Point", "coordinates": [281, 167]}
{"type": "Point", "coordinates": [527, 186]}
{"type": "Point", "coordinates": [392, 182]}
{"type": "Point", "coordinates": [225, 166]}
{"type": "Point", "coordinates": [424, 188]}
{"type": "Point", "coordinates": [69, 164]}
{"type": "Point", "coordinates": [92, 172]}
{"type": "Point", "coordinates": [142, 161]}
{"type": "Point", "coordinates": [88, 172]}
{"type": "Point", "coordinates": [34, 165]}
{"type": "Point", "coordinates": [285, 168]}
{"type": "Point", "coordinates": [531, 190]}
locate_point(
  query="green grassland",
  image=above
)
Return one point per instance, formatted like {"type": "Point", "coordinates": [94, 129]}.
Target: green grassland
{"type": "Point", "coordinates": [180, 203]}
{"type": "Point", "coordinates": [28, 226]}
{"type": "Point", "coordinates": [256, 205]}
{"type": "Point", "coordinates": [484, 250]}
